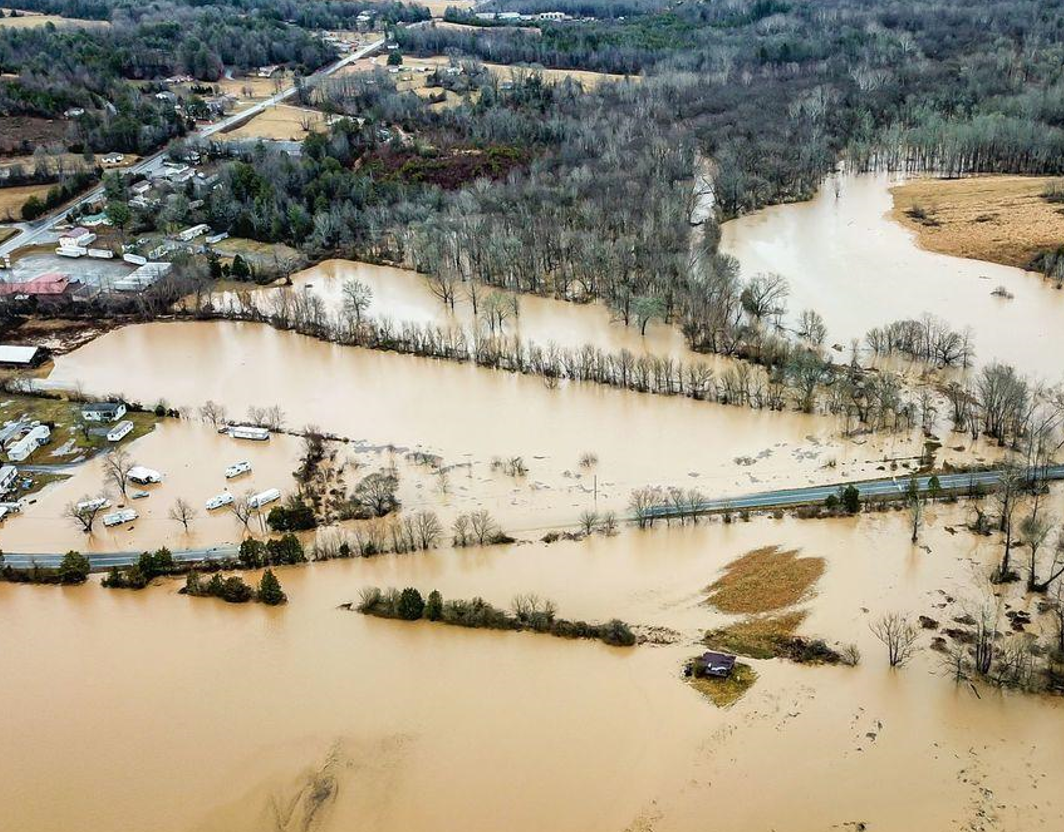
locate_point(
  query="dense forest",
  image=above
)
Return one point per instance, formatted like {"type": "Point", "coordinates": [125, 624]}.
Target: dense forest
{"type": "Point", "coordinates": [535, 184]}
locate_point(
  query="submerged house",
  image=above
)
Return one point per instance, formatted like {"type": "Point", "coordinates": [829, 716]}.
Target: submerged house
{"type": "Point", "coordinates": [714, 665]}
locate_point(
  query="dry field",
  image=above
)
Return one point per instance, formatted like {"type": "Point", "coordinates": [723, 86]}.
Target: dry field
{"type": "Point", "coordinates": [30, 20]}
{"type": "Point", "coordinates": [12, 199]}
{"type": "Point", "coordinates": [1000, 219]}
{"type": "Point", "coordinates": [281, 122]}
{"type": "Point", "coordinates": [765, 579]}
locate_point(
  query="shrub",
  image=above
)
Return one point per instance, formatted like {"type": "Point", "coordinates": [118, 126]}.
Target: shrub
{"type": "Point", "coordinates": [252, 553]}
{"type": "Point", "coordinates": [411, 605]}
{"type": "Point", "coordinates": [434, 606]}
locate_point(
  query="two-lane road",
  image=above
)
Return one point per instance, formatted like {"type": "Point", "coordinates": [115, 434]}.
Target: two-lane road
{"type": "Point", "coordinates": [783, 498]}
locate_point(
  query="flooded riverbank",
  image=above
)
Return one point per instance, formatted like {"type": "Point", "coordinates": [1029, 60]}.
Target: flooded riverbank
{"type": "Point", "coordinates": [405, 296]}
{"type": "Point", "coordinates": [231, 717]}
{"type": "Point", "coordinates": [843, 256]}
{"type": "Point", "coordinates": [471, 416]}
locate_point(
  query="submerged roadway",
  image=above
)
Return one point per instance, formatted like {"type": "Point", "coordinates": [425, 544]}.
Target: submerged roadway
{"type": "Point", "coordinates": [889, 487]}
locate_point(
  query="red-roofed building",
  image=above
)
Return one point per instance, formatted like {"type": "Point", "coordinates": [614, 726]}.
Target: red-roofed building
{"type": "Point", "coordinates": [49, 283]}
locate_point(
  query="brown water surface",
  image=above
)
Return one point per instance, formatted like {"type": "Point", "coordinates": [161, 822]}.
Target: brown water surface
{"type": "Point", "coordinates": [846, 258]}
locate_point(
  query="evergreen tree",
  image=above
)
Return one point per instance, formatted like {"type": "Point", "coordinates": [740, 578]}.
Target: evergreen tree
{"type": "Point", "coordinates": [270, 591]}
{"type": "Point", "coordinates": [411, 605]}
{"type": "Point", "coordinates": [74, 568]}
{"type": "Point", "coordinates": [434, 606]}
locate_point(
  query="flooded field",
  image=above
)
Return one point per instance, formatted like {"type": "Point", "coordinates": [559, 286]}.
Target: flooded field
{"type": "Point", "coordinates": [471, 416]}
{"type": "Point", "coordinates": [406, 296]}
{"type": "Point", "coordinates": [844, 257]}
{"type": "Point", "coordinates": [311, 717]}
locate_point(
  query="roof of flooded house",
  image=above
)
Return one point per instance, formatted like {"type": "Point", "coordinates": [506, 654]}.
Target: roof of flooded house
{"type": "Point", "coordinates": [11, 354]}
{"type": "Point", "coordinates": [103, 407]}
{"type": "Point", "coordinates": [714, 659]}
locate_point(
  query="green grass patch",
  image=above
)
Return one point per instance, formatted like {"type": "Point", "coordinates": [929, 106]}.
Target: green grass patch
{"type": "Point", "coordinates": [725, 692]}
{"type": "Point", "coordinates": [64, 415]}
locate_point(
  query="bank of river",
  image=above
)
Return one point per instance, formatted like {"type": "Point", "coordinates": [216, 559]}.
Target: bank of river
{"type": "Point", "coordinates": [846, 258]}
{"type": "Point", "coordinates": [155, 710]}
{"type": "Point", "coordinates": [469, 416]}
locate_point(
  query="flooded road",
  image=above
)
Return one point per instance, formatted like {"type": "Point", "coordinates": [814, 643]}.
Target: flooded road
{"type": "Point", "coordinates": [179, 714]}
{"type": "Point", "coordinates": [846, 258]}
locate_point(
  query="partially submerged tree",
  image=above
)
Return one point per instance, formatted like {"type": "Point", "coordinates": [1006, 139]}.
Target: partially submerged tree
{"type": "Point", "coordinates": [899, 636]}
{"type": "Point", "coordinates": [116, 465]}
{"type": "Point", "coordinates": [85, 511]}
{"type": "Point", "coordinates": [182, 512]}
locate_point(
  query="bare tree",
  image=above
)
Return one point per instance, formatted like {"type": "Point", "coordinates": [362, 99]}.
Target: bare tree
{"type": "Point", "coordinates": [182, 512]}
{"type": "Point", "coordinates": [1007, 496]}
{"type": "Point", "coordinates": [589, 521]}
{"type": "Point", "coordinates": [914, 500]}
{"type": "Point", "coordinates": [483, 527]}
{"type": "Point", "coordinates": [765, 296]}
{"type": "Point", "coordinates": [642, 502]}
{"type": "Point", "coordinates": [117, 465]}
{"type": "Point", "coordinates": [898, 634]}
{"type": "Point", "coordinates": [85, 511]}
{"type": "Point", "coordinates": [212, 412]}
{"type": "Point", "coordinates": [357, 298]}
{"type": "Point", "coordinates": [242, 509]}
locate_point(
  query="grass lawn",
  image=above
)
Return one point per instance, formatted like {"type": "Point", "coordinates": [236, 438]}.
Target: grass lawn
{"type": "Point", "coordinates": [725, 692]}
{"type": "Point", "coordinates": [66, 433]}
{"type": "Point", "coordinates": [760, 637]}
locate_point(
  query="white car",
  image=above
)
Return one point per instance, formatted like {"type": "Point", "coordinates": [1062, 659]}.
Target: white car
{"type": "Point", "coordinates": [219, 500]}
{"type": "Point", "coordinates": [236, 469]}
{"type": "Point", "coordinates": [117, 518]}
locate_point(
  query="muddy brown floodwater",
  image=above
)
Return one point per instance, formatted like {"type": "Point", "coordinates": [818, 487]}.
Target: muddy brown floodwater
{"type": "Point", "coordinates": [471, 415]}
{"type": "Point", "coordinates": [846, 258]}
{"type": "Point", "coordinates": [129, 711]}
{"type": "Point", "coordinates": [405, 296]}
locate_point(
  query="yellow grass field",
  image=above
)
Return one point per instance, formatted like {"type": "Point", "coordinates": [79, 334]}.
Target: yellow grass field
{"type": "Point", "coordinates": [282, 122]}
{"type": "Point", "coordinates": [12, 199]}
{"type": "Point", "coordinates": [764, 580]}
{"type": "Point", "coordinates": [1000, 219]}
{"type": "Point", "coordinates": [30, 20]}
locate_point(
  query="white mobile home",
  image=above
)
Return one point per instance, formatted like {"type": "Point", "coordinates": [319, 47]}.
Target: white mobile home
{"type": "Point", "coordinates": [249, 432]}
{"type": "Point", "coordinates": [263, 498]}
{"type": "Point", "coordinates": [144, 476]}
{"type": "Point", "coordinates": [24, 448]}
{"type": "Point", "coordinates": [8, 478]}
{"type": "Point", "coordinates": [117, 518]}
{"type": "Point", "coordinates": [120, 431]}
